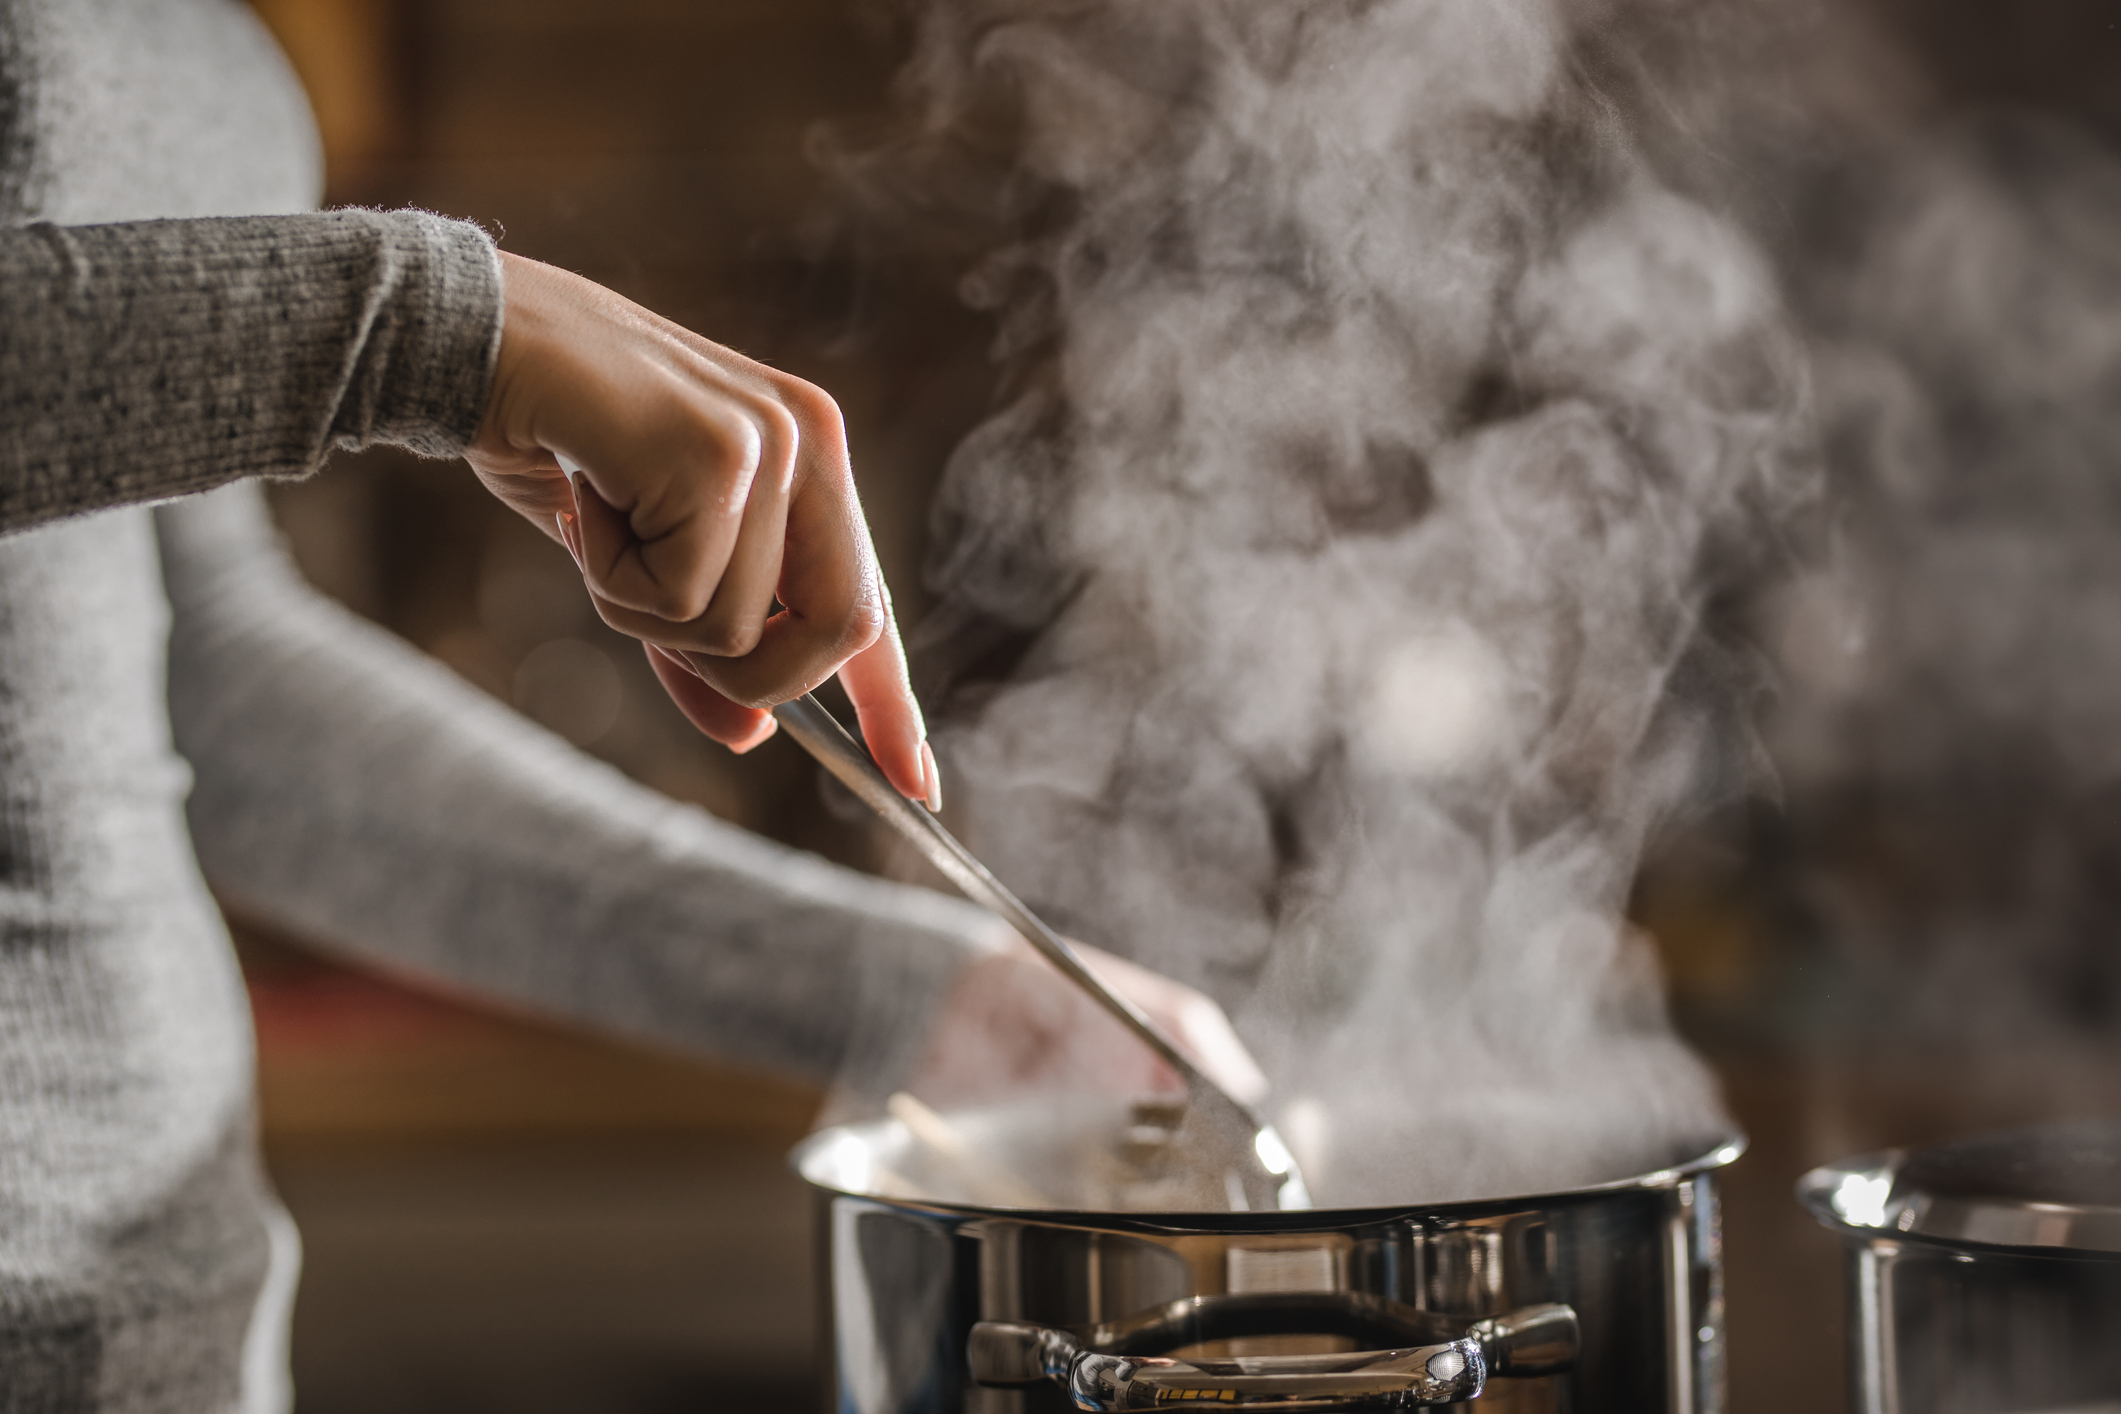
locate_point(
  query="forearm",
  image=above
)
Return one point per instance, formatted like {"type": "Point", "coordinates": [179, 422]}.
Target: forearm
{"type": "Point", "coordinates": [365, 796]}
{"type": "Point", "coordinates": [145, 360]}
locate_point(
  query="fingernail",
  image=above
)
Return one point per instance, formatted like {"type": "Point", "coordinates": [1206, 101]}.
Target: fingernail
{"type": "Point", "coordinates": [567, 536]}
{"type": "Point", "coordinates": [935, 779]}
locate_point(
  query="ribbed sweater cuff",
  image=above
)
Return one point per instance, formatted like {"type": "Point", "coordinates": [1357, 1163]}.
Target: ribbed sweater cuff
{"type": "Point", "coordinates": [426, 363]}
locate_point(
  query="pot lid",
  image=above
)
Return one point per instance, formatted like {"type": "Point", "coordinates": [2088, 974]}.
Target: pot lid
{"type": "Point", "coordinates": [2056, 1188]}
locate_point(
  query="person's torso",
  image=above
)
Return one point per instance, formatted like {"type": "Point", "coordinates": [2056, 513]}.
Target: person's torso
{"type": "Point", "coordinates": [132, 1236]}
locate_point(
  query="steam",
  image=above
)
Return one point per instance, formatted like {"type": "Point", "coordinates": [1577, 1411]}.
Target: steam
{"type": "Point", "coordinates": [1380, 426]}
{"type": "Point", "coordinates": [1948, 729]}
{"type": "Point", "coordinates": [1955, 720]}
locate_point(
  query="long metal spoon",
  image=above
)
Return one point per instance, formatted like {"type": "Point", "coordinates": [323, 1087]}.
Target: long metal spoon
{"type": "Point", "coordinates": [1245, 1161]}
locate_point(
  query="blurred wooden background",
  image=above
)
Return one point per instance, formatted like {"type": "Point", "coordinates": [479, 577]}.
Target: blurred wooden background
{"type": "Point", "coordinates": [500, 1215]}
{"type": "Point", "coordinates": [503, 1216]}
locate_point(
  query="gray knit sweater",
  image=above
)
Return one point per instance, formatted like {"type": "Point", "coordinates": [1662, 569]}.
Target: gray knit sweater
{"type": "Point", "coordinates": [172, 697]}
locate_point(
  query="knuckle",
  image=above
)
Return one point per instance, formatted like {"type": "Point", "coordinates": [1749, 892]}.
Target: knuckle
{"type": "Point", "coordinates": [742, 456]}
{"type": "Point", "coordinates": [683, 604]}
{"type": "Point", "coordinates": [725, 440]}
{"type": "Point", "coordinates": [749, 444]}
{"type": "Point", "coordinates": [863, 624]}
{"type": "Point", "coordinates": [810, 403]}
{"type": "Point", "coordinates": [725, 638]}
{"type": "Point", "coordinates": [681, 580]}
{"type": "Point", "coordinates": [662, 600]}
{"type": "Point", "coordinates": [819, 416]}
{"type": "Point", "coordinates": [779, 423]}
{"type": "Point", "coordinates": [782, 442]}
{"type": "Point", "coordinates": [744, 639]}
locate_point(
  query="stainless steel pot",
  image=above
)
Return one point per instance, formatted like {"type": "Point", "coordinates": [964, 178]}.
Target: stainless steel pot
{"type": "Point", "coordinates": [1984, 1277]}
{"type": "Point", "coordinates": [1606, 1298]}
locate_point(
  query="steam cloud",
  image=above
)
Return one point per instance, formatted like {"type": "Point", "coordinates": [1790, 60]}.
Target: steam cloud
{"type": "Point", "coordinates": [1953, 737]}
{"type": "Point", "coordinates": [1380, 427]}
{"type": "Point", "coordinates": [1948, 727]}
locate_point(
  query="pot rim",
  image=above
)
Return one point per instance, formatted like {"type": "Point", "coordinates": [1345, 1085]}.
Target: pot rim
{"type": "Point", "coordinates": [1870, 1198]}
{"type": "Point", "coordinates": [809, 1154]}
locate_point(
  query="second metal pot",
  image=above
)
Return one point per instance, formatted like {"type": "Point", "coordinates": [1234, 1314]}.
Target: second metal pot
{"type": "Point", "coordinates": [1984, 1277]}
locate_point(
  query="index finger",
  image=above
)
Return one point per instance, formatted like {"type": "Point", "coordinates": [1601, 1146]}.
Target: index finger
{"type": "Point", "coordinates": [882, 693]}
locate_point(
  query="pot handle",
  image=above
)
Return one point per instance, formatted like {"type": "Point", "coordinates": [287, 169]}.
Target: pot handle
{"type": "Point", "coordinates": [1003, 1353]}
{"type": "Point", "coordinates": [1534, 1341]}
{"type": "Point", "coordinates": [1529, 1342]}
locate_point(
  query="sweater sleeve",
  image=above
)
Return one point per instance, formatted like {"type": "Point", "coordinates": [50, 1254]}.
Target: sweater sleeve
{"type": "Point", "coordinates": [359, 793]}
{"type": "Point", "coordinates": [144, 360]}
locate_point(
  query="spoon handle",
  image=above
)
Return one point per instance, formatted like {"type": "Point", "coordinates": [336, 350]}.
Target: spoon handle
{"type": "Point", "coordinates": [818, 732]}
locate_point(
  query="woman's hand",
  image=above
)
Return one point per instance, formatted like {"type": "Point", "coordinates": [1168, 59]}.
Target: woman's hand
{"type": "Point", "coordinates": [710, 486]}
{"type": "Point", "coordinates": [1011, 1023]}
